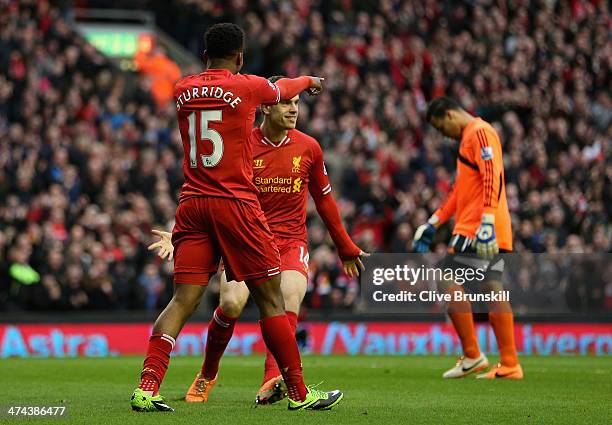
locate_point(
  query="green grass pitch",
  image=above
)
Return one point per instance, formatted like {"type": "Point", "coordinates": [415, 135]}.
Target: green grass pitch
{"type": "Point", "coordinates": [378, 390]}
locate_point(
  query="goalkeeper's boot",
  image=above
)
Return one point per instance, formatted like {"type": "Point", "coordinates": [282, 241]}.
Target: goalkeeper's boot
{"type": "Point", "coordinates": [466, 366]}
{"type": "Point", "coordinates": [271, 391]}
{"type": "Point", "coordinates": [142, 401]}
{"type": "Point", "coordinates": [317, 400]}
{"type": "Point", "coordinates": [200, 389]}
{"type": "Point", "coordinates": [503, 372]}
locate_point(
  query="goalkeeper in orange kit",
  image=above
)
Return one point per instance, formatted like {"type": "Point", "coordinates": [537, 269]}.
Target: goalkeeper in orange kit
{"type": "Point", "coordinates": [482, 225]}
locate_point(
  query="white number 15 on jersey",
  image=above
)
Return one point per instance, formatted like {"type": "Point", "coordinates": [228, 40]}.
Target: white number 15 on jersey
{"type": "Point", "coordinates": [205, 134]}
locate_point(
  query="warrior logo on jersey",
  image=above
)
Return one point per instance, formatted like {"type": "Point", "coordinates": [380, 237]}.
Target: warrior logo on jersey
{"type": "Point", "coordinates": [296, 164]}
{"type": "Point", "coordinates": [258, 163]}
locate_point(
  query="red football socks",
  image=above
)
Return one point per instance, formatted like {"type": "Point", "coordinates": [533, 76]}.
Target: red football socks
{"type": "Point", "coordinates": [271, 369]}
{"type": "Point", "coordinates": [280, 340]}
{"type": "Point", "coordinates": [220, 330]}
{"type": "Point", "coordinates": [156, 362]}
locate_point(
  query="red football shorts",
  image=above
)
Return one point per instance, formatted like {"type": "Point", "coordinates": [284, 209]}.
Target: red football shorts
{"type": "Point", "coordinates": [207, 229]}
{"type": "Point", "coordinates": [293, 255]}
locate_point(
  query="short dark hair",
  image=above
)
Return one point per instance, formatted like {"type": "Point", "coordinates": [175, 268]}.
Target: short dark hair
{"type": "Point", "coordinates": [439, 106]}
{"type": "Point", "coordinates": [224, 40]}
{"type": "Point", "coordinates": [275, 78]}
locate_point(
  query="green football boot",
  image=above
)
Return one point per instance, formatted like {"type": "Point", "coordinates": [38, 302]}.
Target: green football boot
{"type": "Point", "coordinates": [143, 402]}
{"type": "Point", "coordinates": [317, 400]}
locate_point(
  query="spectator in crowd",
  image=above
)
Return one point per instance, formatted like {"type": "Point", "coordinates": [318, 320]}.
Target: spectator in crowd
{"type": "Point", "coordinates": [152, 285]}
{"type": "Point", "coordinates": [161, 71]}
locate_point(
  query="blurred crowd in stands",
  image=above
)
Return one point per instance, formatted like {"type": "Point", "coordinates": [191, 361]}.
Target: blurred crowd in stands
{"type": "Point", "coordinates": [90, 162]}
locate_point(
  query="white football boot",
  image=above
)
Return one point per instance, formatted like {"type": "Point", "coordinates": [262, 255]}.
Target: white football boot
{"type": "Point", "coordinates": [466, 366]}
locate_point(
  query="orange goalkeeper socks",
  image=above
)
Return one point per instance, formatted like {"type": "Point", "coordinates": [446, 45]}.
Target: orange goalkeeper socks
{"type": "Point", "coordinates": [503, 327]}
{"type": "Point", "coordinates": [460, 313]}
{"type": "Point", "coordinates": [464, 325]}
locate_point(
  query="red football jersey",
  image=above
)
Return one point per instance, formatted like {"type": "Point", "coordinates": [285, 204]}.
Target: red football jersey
{"type": "Point", "coordinates": [215, 111]}
{"type": "Point", "coordinates": [284, 173]}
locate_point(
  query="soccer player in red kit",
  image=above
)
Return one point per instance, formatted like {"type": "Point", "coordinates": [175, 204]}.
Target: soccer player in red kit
{"type": "Point", "coordinates": [219, 215]}
{"type": "Point", "coordinates": [287, 165]}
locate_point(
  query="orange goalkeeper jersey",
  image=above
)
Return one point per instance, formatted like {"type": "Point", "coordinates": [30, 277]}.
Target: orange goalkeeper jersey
{"type": "Point", "coordinates": [479, 185]}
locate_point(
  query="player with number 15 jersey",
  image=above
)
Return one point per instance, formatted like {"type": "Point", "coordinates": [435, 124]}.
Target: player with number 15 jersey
{"type": "Point", "coordinates": [216, 110]}
{"type": "Point", "coordinates": [219, 214]}
{"type": "Point", "coordinates": [287, 164]}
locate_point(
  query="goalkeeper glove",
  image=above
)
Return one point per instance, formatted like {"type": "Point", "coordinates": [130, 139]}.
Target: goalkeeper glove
{"type": "Point", "coordinates": [485, 242]}
{"type": "Point", "coordinates": [424, 235]}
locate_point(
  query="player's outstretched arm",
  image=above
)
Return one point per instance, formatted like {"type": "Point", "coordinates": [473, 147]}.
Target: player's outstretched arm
{"type": "Point", "coordinates": [350, 254]}
{"type": "Point", "coordinates": [330, 214]}
{"type": "Point", "coordinates": [320, 189]}
{"type": "Point", "coordinates": [163, 245]}
{"type": "Point", "coordinates": [291, 87]}
{"type": "Point", "coordinates": [269, 93]}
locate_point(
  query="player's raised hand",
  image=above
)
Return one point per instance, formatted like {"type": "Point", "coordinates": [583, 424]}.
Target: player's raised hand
{"type": "Point", "coordinates": [354, 267]}
{"type": "Point", "coordinates": [163, 245]}
{"type": "Point", "coordinates": [316, 86]}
